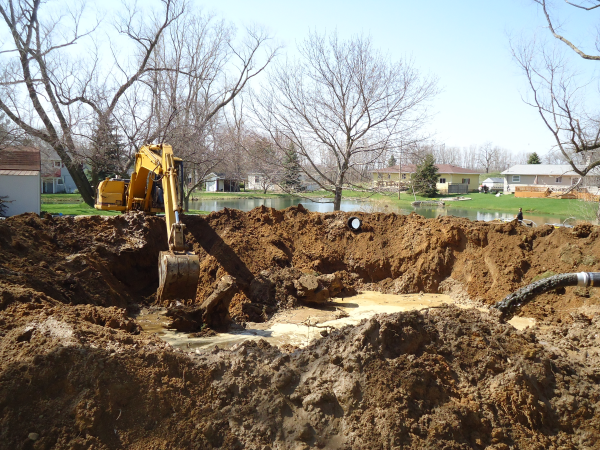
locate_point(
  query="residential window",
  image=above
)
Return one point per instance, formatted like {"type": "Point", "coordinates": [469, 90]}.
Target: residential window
{"type": "Point", "coordinates": [256, 179]}
{"type": "Point", "coordinates": [56, 163]}
{"type": "Point", "coordinates": [559, 179]}
{"type": "Point", "coordinates": [404, 176]}
{"type": "Point", "coordinates": [516, 178]}
{"type": "Point", "coordinates": [574, 181]}
{"type": "Point", "coordinates": [466, 181]}
{"type": "Point", "coordinates": [442, 180]}
{"type": "Point", "coordinates": [379, 175]}
{"type": "Point", "coordinates": [59, 181]}
{"type": "Point", "coordinates": [389, 176]}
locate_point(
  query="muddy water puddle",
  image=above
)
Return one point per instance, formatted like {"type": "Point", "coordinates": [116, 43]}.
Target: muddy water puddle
{"type": "Point", "coordinates": [299, 326]}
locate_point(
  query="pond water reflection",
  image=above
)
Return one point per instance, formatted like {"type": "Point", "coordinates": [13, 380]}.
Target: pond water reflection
{"type": "Point", "coordinates": [246, 204]}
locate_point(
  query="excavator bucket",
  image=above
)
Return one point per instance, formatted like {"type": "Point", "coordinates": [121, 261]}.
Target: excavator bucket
{"type": "Point", "coordinates": [177, 276]}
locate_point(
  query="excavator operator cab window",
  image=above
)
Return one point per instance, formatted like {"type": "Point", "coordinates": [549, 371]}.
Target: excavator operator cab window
{"type": "Point", "coordinates": [158, 198]}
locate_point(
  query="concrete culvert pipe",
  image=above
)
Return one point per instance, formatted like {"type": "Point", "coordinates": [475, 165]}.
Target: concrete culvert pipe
{"type": "Point", "coordinates": [354, 223]}
{"type": "Point", "coordinates": [513, 301]}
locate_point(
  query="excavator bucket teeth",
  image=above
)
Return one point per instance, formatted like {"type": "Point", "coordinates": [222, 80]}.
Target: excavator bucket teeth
{"type": "Point", "coordinates": [177, 276]}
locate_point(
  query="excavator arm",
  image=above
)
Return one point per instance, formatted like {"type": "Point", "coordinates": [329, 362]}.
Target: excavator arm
{"type": "Point", "coordinates": [155, 187]}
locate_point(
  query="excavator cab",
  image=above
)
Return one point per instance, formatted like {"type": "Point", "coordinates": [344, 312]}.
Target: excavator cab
{"type": "Point", "coordinates": [156, 185]}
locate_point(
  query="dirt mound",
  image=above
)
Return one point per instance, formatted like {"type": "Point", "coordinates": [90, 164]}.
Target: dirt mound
{"type": "Point", "coordinates": [445, 378]}
{"type": "Point", "coordinates": [392, 253]}
{"type": "Point", "coordinates": [107, 261]}
{"type": "Point", "coordinates": [77, 372]}
{"type": "Point", "coordinates": [257, 262]}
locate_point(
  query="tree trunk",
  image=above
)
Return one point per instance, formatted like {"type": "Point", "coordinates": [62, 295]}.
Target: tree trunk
{"type": "Point", "coordinates": [339, 182]}
{"type": "Point", "coordinates": [76, 171]}
{"type": "Point", "coordinates": [337, 199]}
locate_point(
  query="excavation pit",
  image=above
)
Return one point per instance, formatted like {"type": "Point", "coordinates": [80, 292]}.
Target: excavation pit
{"type": "Point", "coordinates": [79, 368]}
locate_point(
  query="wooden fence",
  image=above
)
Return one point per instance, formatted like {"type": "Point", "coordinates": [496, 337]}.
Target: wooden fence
{"type": "Point", "coordinates": [546, 192]}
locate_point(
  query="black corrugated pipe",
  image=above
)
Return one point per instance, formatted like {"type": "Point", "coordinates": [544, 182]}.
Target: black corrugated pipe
{"type": "Point", "coordinates": [511, 302]}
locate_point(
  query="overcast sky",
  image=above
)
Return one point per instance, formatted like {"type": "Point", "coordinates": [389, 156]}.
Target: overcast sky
{"type": "Point", "coordinates": [465, 43]}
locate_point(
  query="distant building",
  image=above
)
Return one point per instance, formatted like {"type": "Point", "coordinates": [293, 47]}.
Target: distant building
{"type": "Point", "coordinates": [453, 179]}
{"type": "Point", "coordinates": [219, 182]}
{"type": "Point", "coordinates": [20, 179]}
{"type": "Point", "coordinates": [556, 177]}
{"type": "Point", "coordinates": [259, 181]}
{"type": "Point", "coordinates": [56, 178]}
{"type": "Point", "coordinates": [493, 184]}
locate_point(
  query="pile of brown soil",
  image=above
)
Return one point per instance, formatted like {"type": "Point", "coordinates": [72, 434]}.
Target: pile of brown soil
{"type": "Point", "coordinates": [77, 372]}
{"type": "Point", "coordinates": [444, 378]}
{"type": "Point", "coordinates": [106, 261]}
{"type": "Point", "coordinates": [257, 262]}
{"type": "Point", "coordinates": [392, 253]}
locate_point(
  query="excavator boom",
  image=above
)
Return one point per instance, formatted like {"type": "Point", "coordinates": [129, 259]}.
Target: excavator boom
{"type": "Point", "coordinates": [154, 187]}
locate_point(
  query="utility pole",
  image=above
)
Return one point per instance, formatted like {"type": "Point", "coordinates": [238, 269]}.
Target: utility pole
{"type": "Point", "coordinates": [399, 170]}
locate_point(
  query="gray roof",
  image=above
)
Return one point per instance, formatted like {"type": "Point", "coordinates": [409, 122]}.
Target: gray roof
{"type": "Point", "coordinates": [542, 169]}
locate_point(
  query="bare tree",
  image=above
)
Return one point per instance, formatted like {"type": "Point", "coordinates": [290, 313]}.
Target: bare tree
{"type": "Point", "coordinates": [263, 161]}
{"type": "Point", "coordinates": [189, 110]}
{"type": "Point", "coordinates": [559, 93]}
{"type": "Point", "coordinates": [487, 156]}
{"type": "Point", "coordinates": [181, 70]}
{"type": "Point", "coordinates": [61, 98]}
{"type": "Point", "coordinates": [10, 135]}
{"type": "Point", "coordinates": [341, 100]}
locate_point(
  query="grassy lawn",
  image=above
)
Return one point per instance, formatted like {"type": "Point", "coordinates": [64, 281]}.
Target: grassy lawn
{"type": "Point", "coordinates": [508, 203]}
{"type": "Point", "coordinates": [74, 209]}
{"type": "Point", "coordinates": [61, 198]}
{"type": "Point", "coordinates": [78, 209]}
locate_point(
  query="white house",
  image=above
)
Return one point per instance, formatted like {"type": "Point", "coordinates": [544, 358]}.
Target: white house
{"type": "Point", "coordinates": [20, 179]}
{"type": "Point", "coordinates": [557, 177]}
{"type": "Point", "coordinates": [259, 181]}
{"type": "Point", "coordinates": [218, 182]}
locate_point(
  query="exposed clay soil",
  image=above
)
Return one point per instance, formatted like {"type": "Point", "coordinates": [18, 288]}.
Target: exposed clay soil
{"type": "Point", "coordinates": [77, 372]}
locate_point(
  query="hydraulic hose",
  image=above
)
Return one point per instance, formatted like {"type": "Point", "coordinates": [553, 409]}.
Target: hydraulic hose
{"type": "Point", "coordinates": [512, 302]}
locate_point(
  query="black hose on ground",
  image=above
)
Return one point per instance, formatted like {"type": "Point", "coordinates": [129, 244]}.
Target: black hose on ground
{"type": "Point", "coordinates": [511, 302]}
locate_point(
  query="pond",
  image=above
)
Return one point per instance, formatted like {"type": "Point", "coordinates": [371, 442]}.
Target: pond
{"type": "Point", "coordinates": [246, 204]}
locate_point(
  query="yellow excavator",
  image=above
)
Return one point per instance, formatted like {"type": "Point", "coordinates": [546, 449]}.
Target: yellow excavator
{"type": "Point", "coordinates": [156, 185]}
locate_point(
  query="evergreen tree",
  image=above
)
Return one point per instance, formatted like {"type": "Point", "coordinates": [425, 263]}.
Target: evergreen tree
{"type": "Point", "coordinates": [426, 177]}
{"type": "Point", "coordinates": [291, 165]}
{"type": "Point", "coordinates": [106, 151]}
{"type": "Point", "coordinates": [534, 159]}
{"type": "Point", "coordinates": [392, 161]}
